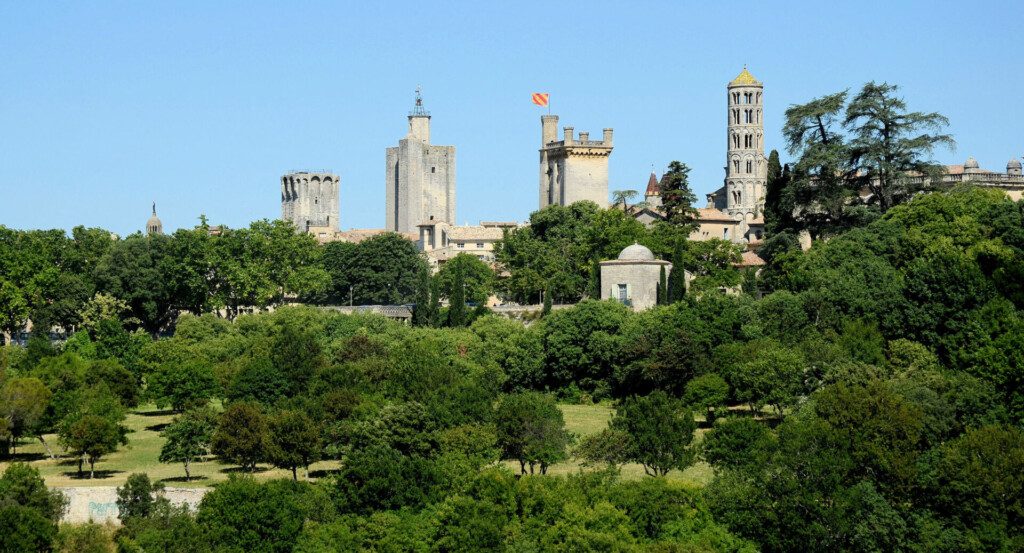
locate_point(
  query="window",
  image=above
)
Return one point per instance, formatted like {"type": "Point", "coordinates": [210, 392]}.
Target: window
{"type": "Point", "coordinates": [750, 166]}
{"type": "Point", "coordinates": [433, 169]}
{"type": "Point", "coordinates": [735, 166]}
{"type": "Point", "coordinates": [480, 245]}
{"type": "Point", "coordinates": [623, 295]}
{"type": "Point", "coordinates": [725, 233]}
{"type": "Point", "coordinates": [460, 245]}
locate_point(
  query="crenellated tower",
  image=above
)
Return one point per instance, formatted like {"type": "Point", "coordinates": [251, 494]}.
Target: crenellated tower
{"type": "Point", "coordinates": [746, 169]}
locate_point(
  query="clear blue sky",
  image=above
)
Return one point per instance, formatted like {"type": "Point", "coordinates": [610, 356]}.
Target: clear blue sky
{"type": "Point", "coordinates": [108, 106]}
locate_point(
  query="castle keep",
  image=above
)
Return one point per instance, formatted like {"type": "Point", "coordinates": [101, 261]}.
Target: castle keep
{"type": "Point", "coordinates": [310, 200]}
{"type": "Point", "coordinates": [420, 177]}
{"type": "Point", "coordinates": [572, 169]}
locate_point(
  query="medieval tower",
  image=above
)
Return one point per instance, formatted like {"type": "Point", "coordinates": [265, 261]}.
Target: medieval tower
{"type": "Point", "coordinates": [746, 169]}
{"type": "Point", "coordinates": [310, 200]}
{"type": "Point", "coordinates": [420, 181]}
{"type": "Point", "coordinates": [572, 169]}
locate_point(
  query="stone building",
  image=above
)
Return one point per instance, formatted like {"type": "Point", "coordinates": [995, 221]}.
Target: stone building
{"type": "Point", "coordinates": [746, 168]}
{"type": "Point", "coordinates": [1011, 182]}
{"type": "Point", "coordinates": [420, 177]}
{"type": "Point", "coordinates": [572, 169]}
{"type": "Point", "coordinates": [633, 278]}
{"type": "Point", "coordinates": [153, 224]}
{"type": "Point", "coordinates": [309, 200]}
{"type": "Point", "coordinates": [441, 241]}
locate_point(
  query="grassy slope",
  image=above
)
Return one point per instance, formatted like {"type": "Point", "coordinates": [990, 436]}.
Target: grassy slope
{"type": "Point", "coordinates": [144, 444]}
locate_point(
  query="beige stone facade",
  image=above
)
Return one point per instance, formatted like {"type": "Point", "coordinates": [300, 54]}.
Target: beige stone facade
{"type": "Point", "coordinates": [574, 168]}
{"type": "Point", "coordinates": [633, 278]}
{"type": "Point", "coordinates": [441, 241]}
{"type": "Point", "coordinates": [310, 199]}
{"type": "Point", "coordinates": [419, 177]}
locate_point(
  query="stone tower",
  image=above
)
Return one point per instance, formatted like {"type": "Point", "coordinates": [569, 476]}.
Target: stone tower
{"type": "Point", "coordinates": [310, 199]}
{"type": "Point", "coordinates": [746, 169]}
{"type": "Point", "coordinates": [572, 169]}
{"type": "Point", "coordinates": [420, 181]}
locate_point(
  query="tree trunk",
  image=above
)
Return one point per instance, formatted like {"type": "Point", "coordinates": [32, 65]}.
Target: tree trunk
{"type": "Point", "coordinates": [295, 476]}
{"type": "Point", "coordinates": [92, 468]}
{"type": "Point", "coordinates": [80, 459]}
{"type": "Point", "coordinates": [305, 472]}
{"type": "Point", "coordinates": [522, 466]}
{"type": "Point", "coordinates": [47, 446]}
{"type": "Point", "coordinates": [188, 475]}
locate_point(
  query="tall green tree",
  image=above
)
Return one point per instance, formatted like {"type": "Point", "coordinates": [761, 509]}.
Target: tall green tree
{"type": "Point", "coordinates": [890, 146]}
{"type": "Point", "coordinates": [188, 438]}
{"type": "Point", "coordinates": [531, 430]}
{"type": "Point", "coordinates": [457, 299]}
{"type": "Point", "coordinates": [477, 278]}
{"type": "Point", "coordinates": [676, 196]}
{"type": "Point", "coordinates": [660, 431]}
{"type": "Point", "coordinates": [242, 436]}
{"type": "Point", "coordinates": [382, 270]}
{"type": "Point", "coordinates": [294, 441]}
{"type": "Point", "coordinates": [820, 180]}
{"type": "Point", "coordinates": [422, 312]}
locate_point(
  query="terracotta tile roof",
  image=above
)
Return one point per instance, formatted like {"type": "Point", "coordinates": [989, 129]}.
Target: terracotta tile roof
{"type": "Point", "coordinates": [712, 214]}
{"type": "Point", "coordinates": [750, 259]}
{"type": "Point", "coordinates": [358, 235]}
{"type": "Point", "coordinates": [653, 188]}
{"type": "Point", "coordinates": [475, 233]}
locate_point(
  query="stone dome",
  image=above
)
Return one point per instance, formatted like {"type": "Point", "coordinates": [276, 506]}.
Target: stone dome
{"type": "Point", "coordinates": [1013, 164]}
{"type": "Point", "coordinates": [153, 224]}
{"type": "Point", "coordinates": [636, 252]}
{"type": "Point", "coordinates": [971, 163]}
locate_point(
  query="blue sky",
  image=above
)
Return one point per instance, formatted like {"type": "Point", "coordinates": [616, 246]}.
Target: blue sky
{"type": "Point", "coordinates": [202, 106]}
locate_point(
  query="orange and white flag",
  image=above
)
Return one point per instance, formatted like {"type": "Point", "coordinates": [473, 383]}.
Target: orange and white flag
{"type": "Point", "coordinates": [540, 98]}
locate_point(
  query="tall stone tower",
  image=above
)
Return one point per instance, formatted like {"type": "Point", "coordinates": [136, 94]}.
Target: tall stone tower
{"type": "Point", "coordinates": [310, 200]}
{"type": "Point", "coordinates": [572, 169]}
{"type": "Point", "coordinates": [746, 169]}
{"type": "Point", "coordinates": [420, 181]}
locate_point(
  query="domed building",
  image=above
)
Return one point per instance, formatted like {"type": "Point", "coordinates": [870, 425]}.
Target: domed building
{"type": "Point", "coordinates": [633, 278]}
{"type": "Point", "coordinates": [153, 224]}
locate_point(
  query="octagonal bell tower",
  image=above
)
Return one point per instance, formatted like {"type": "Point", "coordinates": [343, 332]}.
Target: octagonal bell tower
{"type": "Point", "coordinates": [746, 169]}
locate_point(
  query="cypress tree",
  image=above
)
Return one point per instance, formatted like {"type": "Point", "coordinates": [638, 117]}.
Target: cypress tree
{"type": "Point", "coordinates": [677, 281]}
{"type": "Point", "coordinates": [421, 312]}
{"type": "Point", "coordinates": [457, 303]}
{"type": "Point", "coordinates": [595, 280]}
{"type": "Point", "coordinates": [547, 303]}
{"type": "Point", "coordinates": [662, 288]}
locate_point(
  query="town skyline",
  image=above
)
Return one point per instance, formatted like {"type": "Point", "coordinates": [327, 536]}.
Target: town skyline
{"type": "Point", "coordinates": [128, 134]}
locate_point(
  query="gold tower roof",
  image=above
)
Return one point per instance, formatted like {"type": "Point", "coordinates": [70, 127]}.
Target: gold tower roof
{"type": "Point", "coordinates": [744, 78]}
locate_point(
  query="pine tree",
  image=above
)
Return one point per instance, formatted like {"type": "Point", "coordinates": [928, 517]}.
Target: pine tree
{"type": "Point", "coordinates": [676, 196]}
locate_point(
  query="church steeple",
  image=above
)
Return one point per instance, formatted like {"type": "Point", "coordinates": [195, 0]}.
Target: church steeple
{"type": "Point", "coordinates": [153, 225]}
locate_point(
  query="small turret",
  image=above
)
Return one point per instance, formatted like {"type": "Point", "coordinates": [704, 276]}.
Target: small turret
{"type": "Point", "coordinates": [1013, 168]}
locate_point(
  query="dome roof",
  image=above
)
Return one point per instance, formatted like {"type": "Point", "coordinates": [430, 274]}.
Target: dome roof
{"type": "Point", "coordinates": [1013, 164]}
{"type": "Point", "coordinates": [971, 163]}
{"type": "Point", "coordinates": [153, 224]}
{"type": "Point", "coordinates": [636, 252]}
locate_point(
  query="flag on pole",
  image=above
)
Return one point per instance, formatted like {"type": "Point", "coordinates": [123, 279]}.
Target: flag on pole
{"type": "Point", "coordinates": [540, 98]}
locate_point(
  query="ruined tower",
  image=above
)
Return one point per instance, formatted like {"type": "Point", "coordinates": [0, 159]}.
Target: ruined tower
{"type": "Point", "coordinates": [310, 199]}
{"type": "Point", "coordinates": [572, 169]}
{"type": "Point", "coordinates": [420, 181]}
{"type": "Point", "coordinates": [746, 169]}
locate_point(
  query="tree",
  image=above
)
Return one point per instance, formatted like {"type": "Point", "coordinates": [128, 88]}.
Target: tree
{"type": "Point", "coordinates": [183, 386]}
{"type": "Point", "coordinates": [23, 401]}
{"type": "Point", "coordinates": [778, 213]}
{"type": "Point", "coordinates": [384, 269]}
{"type": "Point", "coordinates": [92, 437]}
{"type": "Point", "coordinates": [546, 307]}
{"type": "Point", "coordinates": [133, 270]}
{"type": "Point", "coordinates": [242, 436]}
{"type": "Point", "coordinates": [708, 392]}
{"type": "Point", "coordinates": [738, 443]}
{"type": "Point", "coordinates": [889, 145]}
{"type": "Point", "coordinates": [477, 276]}
{"type": "Point", "coordinates": [676, 196]}
{"type": "Point", "coordinates": [423, 312]}
{"type": "Point", "coordinates": [677, 279]}
{"type": "Point", "coordinates": [188, 438]}
{"type": "Point", "coordinates": [294, 441]}
{"type": "Point", "coordinates": [24, 530]}
{"type": "Point", "coordinates": [531, 430]}
{"type": "Point", "coordinates": [623, 197]}
{"type": "Point", "coordinates": [819, 182]}
{"type": "Point", "coordinates": [457, 299]}
{"type": "Point", "coordinates": [662, 287]}
{"type": "Point", "coordinates": [137, 498]}
{"type": "Point", "coordinates": [22, 485]}
{"type": "Point", "coordinates": [660, 431]}
{"type": "Point", "coordinates": [13, 308]}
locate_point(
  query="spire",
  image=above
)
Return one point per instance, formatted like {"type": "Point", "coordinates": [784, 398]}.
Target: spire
{"type": "Point", "coordinates": [154, 208]}
{"type": "Point", "coordinates": [653, 188]}
{"type": "Point", "coordinates": [744, 78]}
{"type": "Point", "coordinates": [417, 109]}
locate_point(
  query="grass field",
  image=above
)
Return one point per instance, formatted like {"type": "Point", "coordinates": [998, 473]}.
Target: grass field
{"type": "Point", "coordinates": [144, 442]}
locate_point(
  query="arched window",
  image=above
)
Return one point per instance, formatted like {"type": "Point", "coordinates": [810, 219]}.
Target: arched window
{"type": "Point", "coordinates": [750, 166]}
{"type": "Point", "coordinates": [736, 165]}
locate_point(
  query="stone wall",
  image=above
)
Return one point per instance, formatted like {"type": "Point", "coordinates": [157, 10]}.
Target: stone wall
{"type": "Point", "coordinates": [99, 503]}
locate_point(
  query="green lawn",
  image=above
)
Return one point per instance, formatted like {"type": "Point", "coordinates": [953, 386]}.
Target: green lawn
{"type": "Point", "coordinates": [141, 455]}
{"type": "Point", "coordinates": [144, 442]}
